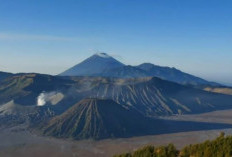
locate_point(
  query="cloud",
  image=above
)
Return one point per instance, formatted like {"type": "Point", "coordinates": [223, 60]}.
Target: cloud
{"type": "Point", "coordinates": [112, 54]}
{"type": "Point", "coordinates": [7, 36]}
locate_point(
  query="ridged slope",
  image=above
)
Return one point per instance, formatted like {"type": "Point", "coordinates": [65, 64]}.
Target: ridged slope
{"type": "Point", "coordinates": [154, 96]}
{"type": "Point", "coordinates": [97, 118]}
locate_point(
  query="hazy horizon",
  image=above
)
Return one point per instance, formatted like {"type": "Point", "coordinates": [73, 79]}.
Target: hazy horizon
{"type": "Point", "coordinates": [49, 37]}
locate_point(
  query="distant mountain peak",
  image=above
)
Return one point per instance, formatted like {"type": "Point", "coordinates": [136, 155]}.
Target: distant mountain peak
{"type": "Point", "coordinates": [93, 65]}
{"type": "Point", "coordinates": [104, 65]}
{"type": "Point", "coordinates": [103, 55]}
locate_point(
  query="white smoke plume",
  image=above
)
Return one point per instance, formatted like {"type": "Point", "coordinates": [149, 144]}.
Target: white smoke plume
{"type": "Point", "coordinates": [41, 100]}
{"type": "Point", "coordinates": [51, 98]}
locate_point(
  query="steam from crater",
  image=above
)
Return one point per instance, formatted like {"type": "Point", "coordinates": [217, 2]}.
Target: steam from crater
{"type": "Point", "coordinates": [41, 100]}
{"type": "Point", "coordinates": [49, 98]}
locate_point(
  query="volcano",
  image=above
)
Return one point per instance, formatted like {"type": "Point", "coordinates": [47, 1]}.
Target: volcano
{"type": "Point", "coordinates": [97, 119]}
{"type": "Point", "coordinates": [93, 65]}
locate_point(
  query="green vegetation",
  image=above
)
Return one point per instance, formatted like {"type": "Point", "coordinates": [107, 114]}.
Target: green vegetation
{"type": "Point", "coordinates": [151, 151]}
{"type": "Point", "coordinates": [220, 147]}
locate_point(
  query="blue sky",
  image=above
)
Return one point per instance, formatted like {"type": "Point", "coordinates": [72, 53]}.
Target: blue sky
{"type": "Point", "coordinates": [48, 36]}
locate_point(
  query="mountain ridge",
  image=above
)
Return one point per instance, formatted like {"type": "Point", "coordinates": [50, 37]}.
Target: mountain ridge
{"type": "Point", "coordinates": [4, 75]}
{"type": "Point", "coordinates": [174, 75]}
{"type": "Point", "coordinates": [151, 96]}
{"type": "Point", "coordinates": [106, 66]}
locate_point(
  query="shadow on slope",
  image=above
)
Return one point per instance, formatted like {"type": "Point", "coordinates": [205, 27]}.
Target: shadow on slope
{"type": "Point", "coordinates": [104, 118]}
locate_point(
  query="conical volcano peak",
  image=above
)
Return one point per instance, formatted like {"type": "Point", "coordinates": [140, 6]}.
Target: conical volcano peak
{"type": "Point", "coordinates": [103, 55]}
{"type": "Point", "coordinates": [93, 66]}
{"type": "Point", "coordinates": [97, 118]}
